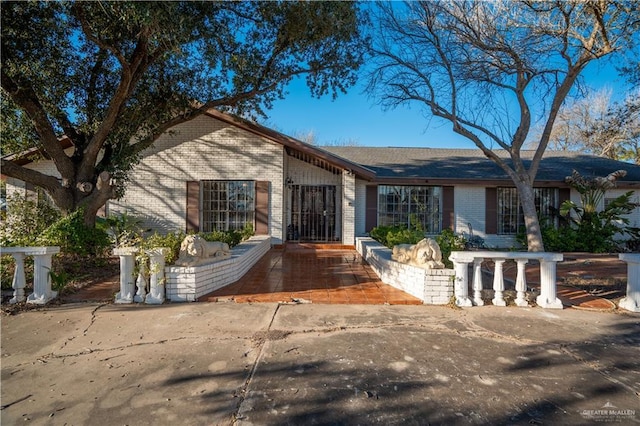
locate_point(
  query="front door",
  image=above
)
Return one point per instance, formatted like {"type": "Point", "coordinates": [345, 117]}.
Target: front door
{"type": "Point", "coordinates": [313, 213]}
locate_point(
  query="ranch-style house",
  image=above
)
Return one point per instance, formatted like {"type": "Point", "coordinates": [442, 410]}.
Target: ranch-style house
{"type": "Point", "coordinates": [218, 171]}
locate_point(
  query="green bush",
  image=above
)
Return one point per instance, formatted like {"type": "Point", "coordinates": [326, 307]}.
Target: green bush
{"type": "Point", "coordinates": [73, 237]}
{"type": "Point", "coordinates": [390, 236]}
{"type": "Point", "coordinates": [448, 242]}
{"type": "Point", "coordinates": [123, 230]}
{"type": "Point", "coordinates": [233, 237]}
{"type": "Point", "coordinates": [171, 241]}
{"type": "Point", "coordinates": [25, 220]}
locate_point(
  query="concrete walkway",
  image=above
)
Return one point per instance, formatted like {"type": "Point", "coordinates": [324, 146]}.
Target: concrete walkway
{"type": "Point", "coordinates": [271, 364]}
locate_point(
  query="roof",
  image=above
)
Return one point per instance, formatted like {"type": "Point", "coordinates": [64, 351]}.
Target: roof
{"type": "Point", "coordinates": [471, 164]}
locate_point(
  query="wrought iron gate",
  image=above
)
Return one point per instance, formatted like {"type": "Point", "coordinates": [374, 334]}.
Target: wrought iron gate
{"type": "Point", "coordinates": [313, 213]}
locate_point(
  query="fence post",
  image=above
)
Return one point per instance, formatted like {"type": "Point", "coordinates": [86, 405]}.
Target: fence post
{"type": "Point", "coordinates": [461, 262]}
{"type": "Point", "coordinates": [632, 300]}
{"type": "Point", "coordinates": [127, 273]}
{"type": "Point", "coordinates": [156, 271]}
{"type": "Point", "coordinates": [548, 297]}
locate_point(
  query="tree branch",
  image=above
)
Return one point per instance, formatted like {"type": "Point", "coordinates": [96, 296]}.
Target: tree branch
{"type": "Point", "coordinates": [25, 97]}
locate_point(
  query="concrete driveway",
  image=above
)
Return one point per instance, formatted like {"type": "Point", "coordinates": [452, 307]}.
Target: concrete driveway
{"type": "Point", "coordinates": [275, 364]}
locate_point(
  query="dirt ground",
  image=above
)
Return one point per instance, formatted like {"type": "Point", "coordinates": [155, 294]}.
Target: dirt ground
{"type": "Point", "coordinates": [601, 275]}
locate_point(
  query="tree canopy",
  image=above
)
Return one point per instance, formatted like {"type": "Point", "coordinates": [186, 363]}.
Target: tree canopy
{"type": "Point", "coordinates": [493, 69]}
{"type": "Point", "coordinates": [108, 78]}
{"type": "Point", "coordinates": [596, 125]}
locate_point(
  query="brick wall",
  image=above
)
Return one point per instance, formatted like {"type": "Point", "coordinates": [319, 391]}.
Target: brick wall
{"type": "Point", "coordinates": [432, 286]}
{"type": "Point", "coordinates": [203, 148]}
{"type": "Point", "coordinates": [187, 284]}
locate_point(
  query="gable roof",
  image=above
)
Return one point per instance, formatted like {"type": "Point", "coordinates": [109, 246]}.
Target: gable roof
{"type": "Point", "coordinates": [471, 164]}
{"type": "Point", "coordinates": [293, 144]}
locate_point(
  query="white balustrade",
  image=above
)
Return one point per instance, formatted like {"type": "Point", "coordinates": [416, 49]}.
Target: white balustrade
{"type": "Point", "coordinates": [548, 261]}
{"type": "Point", "coordinates": [142, 282]}
{"type": "Point", "coordinates": [498, 283]}
{"type": "Point", "coordinates": [42, 292]}
{"type": "Point", "coordinates": [477, 282]}
{"type": "Point", "coordinates": [135, 290]}
{"type": "Point", "coordinates": [631, 301]}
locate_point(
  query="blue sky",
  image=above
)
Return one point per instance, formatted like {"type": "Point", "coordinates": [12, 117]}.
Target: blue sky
{"type": "Point", "coordinates": [355, 117]}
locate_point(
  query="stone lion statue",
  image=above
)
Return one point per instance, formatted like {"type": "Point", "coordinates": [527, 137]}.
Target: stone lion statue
{"type": "Point", "coordinates": [425, 254]}
{"type": "Point", "coordinates": [195, 250]}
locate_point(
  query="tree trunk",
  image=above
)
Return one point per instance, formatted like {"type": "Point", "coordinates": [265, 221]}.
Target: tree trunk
{"type": "Point", "coordinates": [532, 224]}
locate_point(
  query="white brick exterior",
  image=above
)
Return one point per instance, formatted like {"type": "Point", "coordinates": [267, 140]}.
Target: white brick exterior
{"type": "Point", "coordinates": [432, 286]}
{"type": "Point", "coordinates": [201, 149]}
{"type": "Point", "coordinates": [469, 209]}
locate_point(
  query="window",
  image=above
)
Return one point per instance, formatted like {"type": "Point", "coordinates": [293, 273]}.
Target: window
{"type": "Point", "coordinates": [410, 205]}
{"type": "Point", "coordinates": [510, 217]}
{"type": "Point", "coordinates": [227, 205]}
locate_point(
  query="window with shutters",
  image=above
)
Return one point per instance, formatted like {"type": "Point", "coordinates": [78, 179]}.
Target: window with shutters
{"type": "Point", "coordinates": [227, 204]}
{"type": "Point", "coordinates": [510, 216]}
{"type": "Point", "coordinates": [409, 206]}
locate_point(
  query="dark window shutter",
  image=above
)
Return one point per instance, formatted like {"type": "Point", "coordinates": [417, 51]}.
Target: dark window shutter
{"type": "Point", "coordinates": [262, 208]}
{"type": "Point", "coordinates": [447, 208]}
{"type": "Point", "coordinates": [371, 214]}
{"type": "Point", "coordinates": [491, 211]}
{"type": "Point", "coordinates": [193, 206]}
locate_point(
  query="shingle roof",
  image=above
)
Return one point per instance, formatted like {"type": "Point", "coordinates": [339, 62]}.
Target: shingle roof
{"type": "Point", "coordinates": [471, 164]}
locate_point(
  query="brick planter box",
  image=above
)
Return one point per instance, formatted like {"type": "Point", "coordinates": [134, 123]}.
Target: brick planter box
{"type": "Point", "coordinates": [187, 284]}
{"type": "Point", "coordinates": [432, 286]}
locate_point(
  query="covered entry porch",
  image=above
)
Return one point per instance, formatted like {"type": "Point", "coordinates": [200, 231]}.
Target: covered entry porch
{"type": "Point", "coordinates": [307, 273]}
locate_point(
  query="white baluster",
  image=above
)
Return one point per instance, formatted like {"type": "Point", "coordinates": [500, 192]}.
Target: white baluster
{"type": "Point", "coordinates": [477, 282]}
{"type": "Point", "coordinates": [42, 292]}
{"type": "Point", "coordinates": [142, 281]}
{"type": "Point", "coordinates": [156, 270]}
{"type": "Point", "coordinates": [631, 301]}
{"type": "Point", "coordinates": [127, 271]}
{"type": "Point", "coordinates": [461, 287]}
{"type": "Point", "coordinates": [498, 284]}
{"type": "Point", "coordinates": [19, 280]}
{"type": "Point", "coordinates": [548, 297]}
{"type": "Point", "coordinates": [521, 283]}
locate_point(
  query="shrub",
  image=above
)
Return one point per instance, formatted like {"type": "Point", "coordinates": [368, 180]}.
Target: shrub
{"type": "Point", "coordinates": [390, 236]}
{"type": "Point", "coordinates": [171, 241]}
{"type": "Point", "coordinates": [448, 242]}
{"type": "Point", "coordinates": [25, 220]}
{"type": "Point", "coordinates": [73, 237]}
{"type": "Point", "coordinates": [123, 230]}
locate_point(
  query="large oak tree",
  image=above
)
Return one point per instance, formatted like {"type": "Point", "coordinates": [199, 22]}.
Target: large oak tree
{"type": "Point", "coordinates": [492, 69]}
{"type": "Point", "coordinates": [108, 78]}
